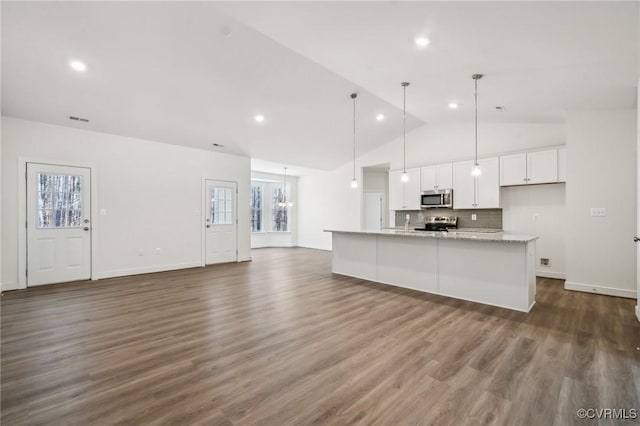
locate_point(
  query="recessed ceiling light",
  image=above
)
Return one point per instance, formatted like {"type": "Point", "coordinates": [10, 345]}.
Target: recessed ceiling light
{"type": "Point", "coordinates": [453, 105]}
{"type": "Point", "coordinates": [78, 66]}
{"type": "Point", "coordinates": [259, 118]}
{"type": "Point", "coordinates": [421, 41]}
{"type": "Point", "coordinates": [380, 117]}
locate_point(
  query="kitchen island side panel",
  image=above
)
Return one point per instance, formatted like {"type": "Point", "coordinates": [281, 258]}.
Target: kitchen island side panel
{"type": "Point", "coordinates": [355, 255]}
{"type": "Point", "coordinates": [496, 274]}
{"type": "Point", "coordinates": [408, 262]}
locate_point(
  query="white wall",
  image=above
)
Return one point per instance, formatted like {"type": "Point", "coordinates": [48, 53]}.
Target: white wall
{"type": "Point", "coordinates": [601, 172]}
{"type": "Point", "coordinates": [539, 210]}
{"type": "Point", "coordinates": [152, 193]}
{"type": "Point", "coordinates": [326, 199]}
{"type": "Point", "coordinates": [267, 238]}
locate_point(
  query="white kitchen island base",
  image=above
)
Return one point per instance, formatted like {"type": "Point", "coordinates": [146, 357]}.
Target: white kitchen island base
{"type": "Point", "coordinates": [494, 269]}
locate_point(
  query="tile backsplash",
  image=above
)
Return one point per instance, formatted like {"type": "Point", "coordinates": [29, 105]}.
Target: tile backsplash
{"type": "Point", "coordinates": [485, 218]}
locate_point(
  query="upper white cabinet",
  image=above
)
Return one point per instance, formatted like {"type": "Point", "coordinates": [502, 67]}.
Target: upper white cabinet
{"type": "Point", "coordinates": [513, 169]}
{"type": "Point", "coordinates": [404, 195]}
{"type": "Point", "coordinates": [482, 192]}
{"type": "Point", "coordinates": [542, 166]}
{"type": "Point", "coordinates": [562, 165]}
{"type": "Point", "coordinates": [437, 177]}
{"type": "Point", "coordinates": [464, 186]}
{"type": "Point", "coordinates": [529, 168]}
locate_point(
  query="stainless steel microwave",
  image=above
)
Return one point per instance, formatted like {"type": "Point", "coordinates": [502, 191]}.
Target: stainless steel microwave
{"type": "Point", "coordinates": [439, 198]}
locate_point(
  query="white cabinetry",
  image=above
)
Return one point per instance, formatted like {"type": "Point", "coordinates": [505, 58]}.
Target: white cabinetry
{"type": "Point", "coordinates": [437, 177]}
{"type": "Point", "coordinates": [562, 165]}
{"type": "Point", "coordinates": [404, 195]}
{"type": "Point", "coordinates": [529, 168]}
{"type": "Point", "coordinates": [513, 169]}
{"type": "Point", "coordinates": [482, 192]}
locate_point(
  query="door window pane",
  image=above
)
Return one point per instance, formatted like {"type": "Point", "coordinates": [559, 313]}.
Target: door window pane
{"type": "Point", "coordinates": [221, 205]}
{"type": "Point", "coordinates": [59, 201]}
{"type": "Point", "coordinates": [279, 213]}
{"type": "Point", "coordinates": [255, 203]}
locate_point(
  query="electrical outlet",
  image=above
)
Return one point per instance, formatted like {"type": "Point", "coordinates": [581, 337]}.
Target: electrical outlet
{"type": "Point", "coordinates": [474, 216]}
{"type": "Point", "coordinates": [545, 261]}
{"type": "Point", "coordinates": [598, 211]}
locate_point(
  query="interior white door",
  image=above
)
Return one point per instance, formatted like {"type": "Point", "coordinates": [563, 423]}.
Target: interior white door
{"type": "Point", "coordinates": [58, 224]}
{"type": "Point", "coordinates": [373, 211]}
{"type": "Point", "coordinates": [221, 224]}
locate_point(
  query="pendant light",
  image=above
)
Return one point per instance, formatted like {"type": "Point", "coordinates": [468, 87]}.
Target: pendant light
{"type": "Point", "coordinates": [354, 182]}
{"type": "Point", "coordinates": [285, 202]}
{"type": "Point", "coordinates": [476, 170]}
{"type": "Point", "coordinates": [405, 176]}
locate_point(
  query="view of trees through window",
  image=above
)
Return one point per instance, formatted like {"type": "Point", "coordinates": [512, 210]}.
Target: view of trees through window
{"type": "Point", "coordinates": [266, 213]}
{"type": "Point", "coordinates": [255, 203]}
{"type": "Point", "coordinates": [279, 216]}
{"type": "Point", "coordinates": [59, 201]}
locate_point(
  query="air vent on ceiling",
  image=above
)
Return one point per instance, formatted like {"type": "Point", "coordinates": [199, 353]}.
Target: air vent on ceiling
{"type": "Point", "coordinates": [84, 120]}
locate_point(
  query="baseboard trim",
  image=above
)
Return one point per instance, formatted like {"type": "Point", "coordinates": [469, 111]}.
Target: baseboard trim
{"type": "Point", "coordinates": [315, 248]}
{"type": "Point", "coordinates": [145, 270]}
{"type": "Point", "coordinates": [638, 312]}
{"type": "Point", "coordinates": [8, 286]}
{"type": "Point", "coordinates": [609, 291]}
{"type": "Point", "coordinates": [551, 274]}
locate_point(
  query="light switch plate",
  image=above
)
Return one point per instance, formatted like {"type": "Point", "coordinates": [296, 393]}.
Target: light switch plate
{"type": "Point", "coordinates": [474, 216]}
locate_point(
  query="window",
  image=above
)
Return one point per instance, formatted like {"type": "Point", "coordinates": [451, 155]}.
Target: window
{"type": "Point", "coordinates": [279, 215]}
{"type": "Point", "coordinates": [255, 203]}
{"type": "Point", "coordinates": [59, 201]}
{"type": "Point", "coordinates": [221, 205]}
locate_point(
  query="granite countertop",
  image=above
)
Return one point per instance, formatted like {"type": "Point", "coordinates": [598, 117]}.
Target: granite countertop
{"type": "Point", "coordinates": [451, 235]}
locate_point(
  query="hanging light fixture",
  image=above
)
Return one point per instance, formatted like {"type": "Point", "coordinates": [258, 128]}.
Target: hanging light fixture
{"type": "Point", "coordinates": [285, 202]}
{"type": "Point", "coordinates": [476, 170]}
{"type": "Point", "coordinates": [354, 182]}
{"type": "Point", "coordinates": [405, 176]}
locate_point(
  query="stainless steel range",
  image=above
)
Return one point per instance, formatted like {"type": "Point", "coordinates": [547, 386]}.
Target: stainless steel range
{"type": "Point", "coordinates": [439, 223]}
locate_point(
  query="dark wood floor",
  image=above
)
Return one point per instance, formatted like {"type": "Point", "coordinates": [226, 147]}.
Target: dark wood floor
{"type": "Point", "coordinates": [281, 340]}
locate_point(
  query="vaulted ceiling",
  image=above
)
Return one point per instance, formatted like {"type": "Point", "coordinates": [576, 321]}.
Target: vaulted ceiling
{"type": "Point", "coordinates": [197, 73]}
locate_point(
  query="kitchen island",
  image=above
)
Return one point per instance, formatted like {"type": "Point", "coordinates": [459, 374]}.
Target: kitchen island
{"type": "Point", "coordinates": [493, 268]}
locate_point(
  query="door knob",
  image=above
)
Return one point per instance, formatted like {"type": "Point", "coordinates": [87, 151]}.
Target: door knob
{"type": "Point", "coordinates": [208, 226]}
{"type": "Point", "coordinates": [636, 239]}
{"type": "Point", "coordinates": [86, 228]}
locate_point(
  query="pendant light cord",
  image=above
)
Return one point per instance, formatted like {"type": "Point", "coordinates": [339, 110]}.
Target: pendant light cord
{"type": "Point", "coordinates": [353, 96]}
{"type": "Point", "coordinates": [404, 127]}
{"type": "Point", "coordinates": [476, 120]}
{"type": "Point", "coordinates": [404, 85]}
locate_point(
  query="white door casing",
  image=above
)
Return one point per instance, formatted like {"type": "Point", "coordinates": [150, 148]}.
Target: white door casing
{"type": "Point", "coordinates": [221, 227]}
{"type": "Point", "coordinates": [58, 223]}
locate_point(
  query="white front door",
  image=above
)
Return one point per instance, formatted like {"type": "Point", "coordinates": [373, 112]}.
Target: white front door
{"type": "Point", "coordinates": [58, 224]}
{"type": "Point", "coordinates": [373, 211]}
{"type": "Point", "coordinates": [221, 222]}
